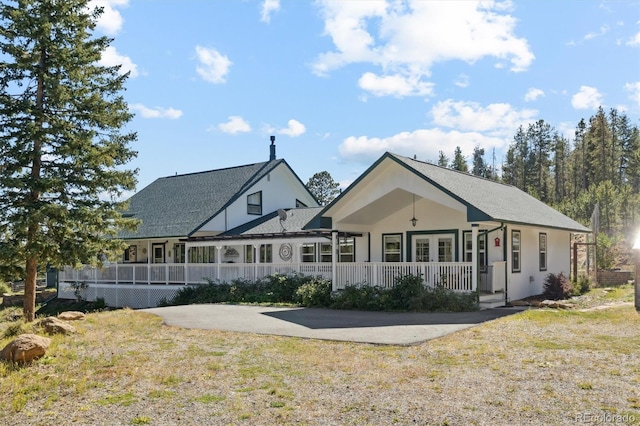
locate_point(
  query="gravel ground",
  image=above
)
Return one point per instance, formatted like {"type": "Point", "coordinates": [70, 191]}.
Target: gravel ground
{"type": "Point", "coordinates": [536, 367]}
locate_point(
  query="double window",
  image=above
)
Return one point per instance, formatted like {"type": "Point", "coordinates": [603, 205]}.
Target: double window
{"type": "Point", "coordinates": [254, 203]}
{"type": "Point", "coordinates": [266, 253]}
{"type": "Point", "coordinates": [324, 253]}
{"type": "Point", "coordinates": [197, 254]}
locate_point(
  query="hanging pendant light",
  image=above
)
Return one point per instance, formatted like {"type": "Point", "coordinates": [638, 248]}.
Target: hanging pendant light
{"type": "Point", "coordinates": [413, 218]}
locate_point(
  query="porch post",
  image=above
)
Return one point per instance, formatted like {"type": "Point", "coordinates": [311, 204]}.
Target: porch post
{"type": "Point", "coordinates": [186, 263]}
{"type": "Point", "coordinates": [219, 261]}
{"type": "Point", "coordinates": [334, 261]}
{"type": "Point", "coordinates": [474, 256]}
{"type": "Point", "coordinates": [256, 251]}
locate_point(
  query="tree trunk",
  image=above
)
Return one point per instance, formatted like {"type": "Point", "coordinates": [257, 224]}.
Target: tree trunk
{"type": "Point", "coordinates": [31, 275]}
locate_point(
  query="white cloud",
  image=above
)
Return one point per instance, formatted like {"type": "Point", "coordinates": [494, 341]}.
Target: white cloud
{"type": "Point", "coordinates": [394, 85]}
{"type": "Point", "coordinates": [603, 30]}
{"type": "Point", "coordinates": [236, 124]}
{"type": "Point", "coordinates": [587, 98]}
{"type": "Point", "coordinates": [424, 143]}
{"type": "Point", "coordinates": [405, 39]}
{"type": "Point", "coordinates": [294, 129]}
{"type": "Point", "coordinates": [634, 92]}
{"type": "Point", "coordinates": [213, 67]}
{"type": "Point", "coordinates": [111, 57]}
{"type": "Point", "coordinates": [268, 7]}
{"type": "Point", "coordinates": [157, 112]}
{"type": "Point", "coordinates": [110, 22]}
{"type": "Point", "coordinates": [634, 41]}
{"type": "Point", "coordinates": [495, 119]}
{"type": "Point", "coordinates": [533, 94]}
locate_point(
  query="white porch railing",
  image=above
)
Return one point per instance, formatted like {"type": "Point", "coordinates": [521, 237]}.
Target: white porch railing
{"type": "Point", "coordinates": [453, 275]}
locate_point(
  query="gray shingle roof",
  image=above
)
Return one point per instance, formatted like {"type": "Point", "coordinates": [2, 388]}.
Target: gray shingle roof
{"type": "Point", "coordinates": [176, 206]}
{"type": "Point", "coordinates": [270, 224]}
{"type": "Point", "coordinates": [486, 200]}
{"type": "Point", "coordinates": [490, 200]}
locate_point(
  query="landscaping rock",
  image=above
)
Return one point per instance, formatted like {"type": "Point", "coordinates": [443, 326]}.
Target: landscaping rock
{"type": "Point", "coordinates": [519, 303]}
{"type": "Point", "coordinates": [53, 325]}
{"type": "Point", "coordinates": [71, 316]}
{"type": "Point", "coordinates": [555, 304]}
{"type": "Point", "coordinates": [25, 348]}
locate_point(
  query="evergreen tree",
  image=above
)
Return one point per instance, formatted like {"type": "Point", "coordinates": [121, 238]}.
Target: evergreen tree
{"type": "Point", "coordinates": [560, 158]}
{"type": "Point", "coordinates": [62, 149]}
{"type": "Point", "coordinates": [323, 187]}
{"type": "Point", "coordinates": [459, 161]}
{"type": "Point", "coordinates": [443, 160]}
{"type": "Point", "coordinates": [479, 166]}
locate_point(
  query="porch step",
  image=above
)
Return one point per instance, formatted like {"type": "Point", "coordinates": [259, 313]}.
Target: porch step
{"type": "Point", "coordinates": [493, 301]}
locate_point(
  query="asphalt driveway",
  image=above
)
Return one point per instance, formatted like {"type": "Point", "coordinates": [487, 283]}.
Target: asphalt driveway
{"type": "Point", "coordinates": [390, 328]}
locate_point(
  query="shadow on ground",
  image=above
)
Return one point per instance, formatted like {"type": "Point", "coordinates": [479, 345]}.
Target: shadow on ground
{"type": "Point", "coordinates": [317, 319]}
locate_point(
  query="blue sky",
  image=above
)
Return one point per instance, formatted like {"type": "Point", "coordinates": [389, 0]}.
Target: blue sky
{"type": "Point", "coordinates": [341, 82]}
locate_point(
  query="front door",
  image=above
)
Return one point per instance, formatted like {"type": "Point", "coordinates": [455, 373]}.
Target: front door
{"type": "Point", "coordinates": [433, 248]}
{"type": "Point", "coordinates": [158, 253]}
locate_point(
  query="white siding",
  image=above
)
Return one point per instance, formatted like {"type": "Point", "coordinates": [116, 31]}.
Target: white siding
{"type": "Point", "coordinates": [280, 189]}
{"type": "Point", "coordinates": [530, 280]}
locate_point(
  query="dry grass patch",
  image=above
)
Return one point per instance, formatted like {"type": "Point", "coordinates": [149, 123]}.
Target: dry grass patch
{"type": "Point", "coordinates": [536, 367]}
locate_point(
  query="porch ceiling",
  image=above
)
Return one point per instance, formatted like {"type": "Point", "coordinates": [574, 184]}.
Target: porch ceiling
{"type": "Point", "coordinates": [380, 208]}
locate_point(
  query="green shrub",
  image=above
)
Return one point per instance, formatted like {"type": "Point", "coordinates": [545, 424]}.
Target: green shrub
{"type": "Point", "coordinates": [582, 286]}
{"type": "Point", "coordinates": [556, 287]}
{"type": "Point", "coordinates": [407, 294]}
{"type": "Point", "coordinates": [99, 304]}
{"type": "Point", "coordinates": [314, 293]}
{"type": "Point", "coordinates": [4, 288]}
{"type": "Point", "coordinates": [365, 298]}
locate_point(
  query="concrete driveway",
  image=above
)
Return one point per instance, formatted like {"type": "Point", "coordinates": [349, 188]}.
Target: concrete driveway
{"type": "Point", "coordinates": [389, 328]}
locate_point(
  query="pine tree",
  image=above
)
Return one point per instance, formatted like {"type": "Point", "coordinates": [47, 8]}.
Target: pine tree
{"type": "Point", "coordinates": [459, 161]}
{"type": "Point", "coordinates": [62, 148]}
{"type": "Point", "coordinates": [323, 187]}
{"type": "Point", "coordinates": [443, 160]}
{"type": "Point", "coordinates": [479, 166]}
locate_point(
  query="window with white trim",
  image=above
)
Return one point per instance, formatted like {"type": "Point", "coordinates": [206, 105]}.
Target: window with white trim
{"type": "Point", "coordinates": [516, 251]}
{"type": "Point", "coordinates": [325, 252]}
{"type": "Point", "coordinates": [266, 253]}
{"type": "Point", "coordinates": [199, 254]}
{"type": "Point", "coordinates": [308, 253]}
{"type": "Point", "coordinates": [254, 203]}
{"type": "Point", "coordinates": [347, 250]}
{"type": "Point", "coordinates": [542, 250]}
{"type": "Point", "coordinates": [392, 247]}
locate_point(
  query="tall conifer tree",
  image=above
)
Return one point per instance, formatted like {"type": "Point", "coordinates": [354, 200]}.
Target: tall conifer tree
{"type": "Point", "coordinates": [62, 147]}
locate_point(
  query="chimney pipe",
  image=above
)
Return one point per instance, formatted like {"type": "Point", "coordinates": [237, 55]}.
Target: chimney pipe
{"type": "Point", "coordinates": [272, 149]}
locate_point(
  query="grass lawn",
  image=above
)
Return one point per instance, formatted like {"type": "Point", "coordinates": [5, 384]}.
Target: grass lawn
{"type": "Point", "coordinates": [536, 367]}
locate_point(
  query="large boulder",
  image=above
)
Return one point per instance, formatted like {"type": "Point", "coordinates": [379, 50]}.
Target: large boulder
{"type": "Point", "coordinates": [53, 325]}
{"type": "Point", "coordinates": [25, 348]}
{"type": "Point", "coordinates": [71, 316]}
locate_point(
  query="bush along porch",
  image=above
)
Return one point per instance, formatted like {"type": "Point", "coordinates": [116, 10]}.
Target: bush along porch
{"type": "Point", "coordinates": [407, 294]}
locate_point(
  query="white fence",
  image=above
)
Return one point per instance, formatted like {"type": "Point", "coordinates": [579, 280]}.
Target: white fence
{"type": "Point", "coordinates": [453, 275]}
{"type": "Point", "coordinates": [145, 285]}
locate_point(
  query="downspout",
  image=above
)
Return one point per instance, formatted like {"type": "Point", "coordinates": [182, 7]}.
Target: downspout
{"type": "Point", "coordinates": [506, 267]}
